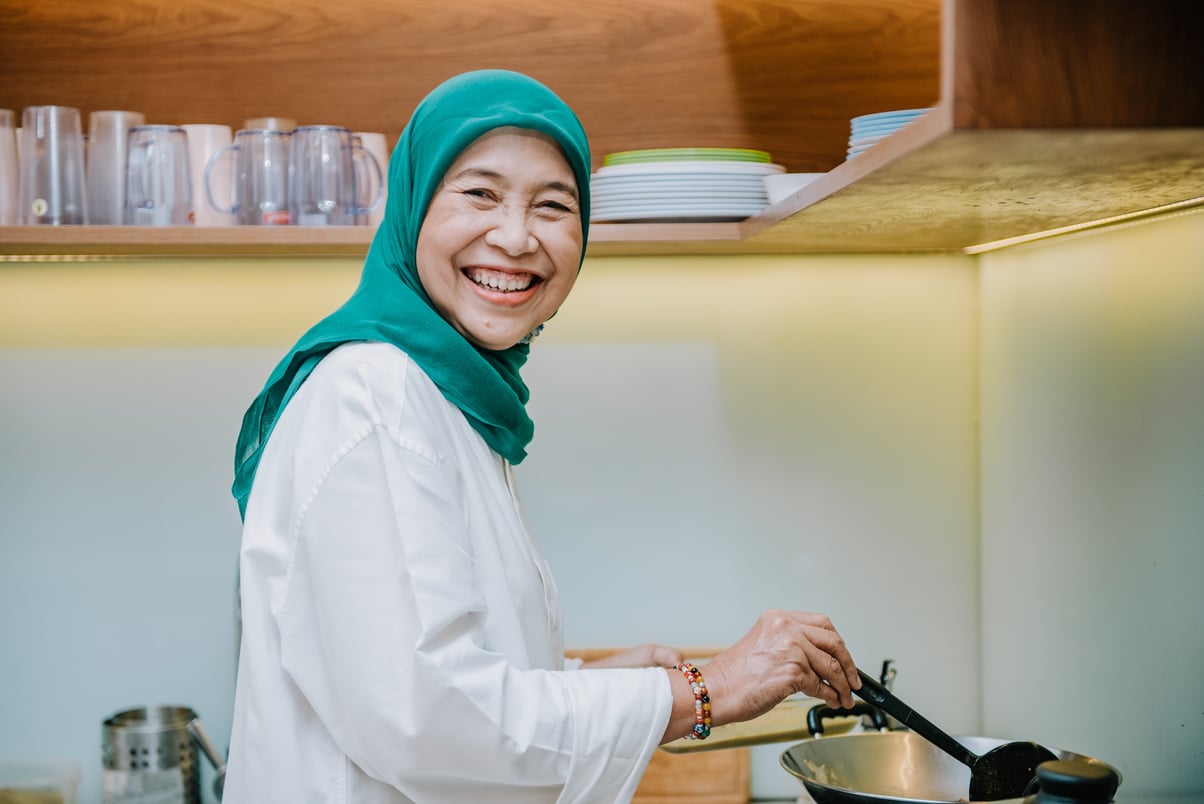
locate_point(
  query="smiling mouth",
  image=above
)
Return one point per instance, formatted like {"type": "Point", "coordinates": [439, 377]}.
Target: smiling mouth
{"type": "Point", "coordinates": [501, 281]}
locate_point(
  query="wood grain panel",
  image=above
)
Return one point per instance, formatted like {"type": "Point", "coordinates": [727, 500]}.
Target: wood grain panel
{"type": "Point", "coordinates": [779, 75]}
{"type": "Point", "coordinates": [718, 777]}
{"type": "Point", "coordinates": [1040, 63]}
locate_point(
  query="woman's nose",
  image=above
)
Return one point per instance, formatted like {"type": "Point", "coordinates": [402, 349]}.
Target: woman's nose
{"type": "Point", "coordinates": [511, 234]}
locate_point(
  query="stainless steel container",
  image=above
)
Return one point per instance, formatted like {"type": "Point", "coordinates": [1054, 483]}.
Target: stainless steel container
{"type": "Point", "coordinates": [149, 757]}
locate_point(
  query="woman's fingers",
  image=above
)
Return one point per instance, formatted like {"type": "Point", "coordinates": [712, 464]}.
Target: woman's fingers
{"type": "Point", "coordinates": [783, 653]}
{"type": "Point", "coordinates": [647, 655]}
{"type": "Point", "coordinates": [832, 663]}
{"type": "Point", "coordinates": [665, 656]}
{"type": "Point", "coordinates": [809, 641]}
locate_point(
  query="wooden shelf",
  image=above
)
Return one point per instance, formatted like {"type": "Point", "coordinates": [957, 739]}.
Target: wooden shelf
{"type": "Point", "coordinates": [1047, 121]}
{"type": "Point", "coordinates": [184, 241]}
{"type": "Point", "coordinates": [930, 187]}
{"type": "Point", "coordinates": [45, 242]}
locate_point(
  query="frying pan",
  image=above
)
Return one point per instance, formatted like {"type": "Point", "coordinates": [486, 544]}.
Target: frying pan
{"type": "Point", "coordinates": [900, 767]}
{"type": "Point", "coordinates": [894, 766]}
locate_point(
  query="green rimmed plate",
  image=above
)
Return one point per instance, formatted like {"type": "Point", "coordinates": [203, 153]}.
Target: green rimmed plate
{"type": "Point", "coordinates": [685, 155]}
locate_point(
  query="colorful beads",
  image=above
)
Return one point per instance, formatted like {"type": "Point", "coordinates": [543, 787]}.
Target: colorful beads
{"type": "Point", "coordinates": [702, 702]}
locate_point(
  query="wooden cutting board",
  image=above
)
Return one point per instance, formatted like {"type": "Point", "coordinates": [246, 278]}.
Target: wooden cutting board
{"type": "Point", "coordinates": [785, 722]}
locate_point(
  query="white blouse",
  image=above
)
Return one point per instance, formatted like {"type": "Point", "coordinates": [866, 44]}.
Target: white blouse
{"type": "Point", "coordinates": [401, 637]}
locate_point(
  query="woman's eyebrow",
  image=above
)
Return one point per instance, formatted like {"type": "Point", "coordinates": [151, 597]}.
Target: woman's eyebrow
{"type": "Point", "coordinates": [484, 173]}
{"type": "Point", "coordinates": [567, 189]}
{"type": "Point", "coordinates": [487, 173]}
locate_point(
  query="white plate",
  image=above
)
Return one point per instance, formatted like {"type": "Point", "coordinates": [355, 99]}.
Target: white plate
{"type": "Point", "coordinates": [883, 128]}
{"type": "Point", "coordinates": [673, 217]}
{"type": "Point", "coordinates": [785, 185]}
{"type": "Point", "coordinates": [714, 207]}
{"type": "Point", "coordinates": [860, 141]}
{"type": "Point", "coordinates": [680, 179]}
{"type": "Point", "coordinates": [678, 187]}
{"type": "Point", "coordinates": [729, 207]}
{"type": "Point", "coordinates": [869, 131]}
{"type": "Point", "coordinates": [878, 128]}
{"type": "Point", "coordinates": [654, 195]}
{"type": "Point", "coordinates": [886, 121]}
{"type": "Point", "coordinates": [696, 168]}
{"type": "Point", "coordinates": [686, 190]}
{"type": "Point", "coordinates": [897, 114]}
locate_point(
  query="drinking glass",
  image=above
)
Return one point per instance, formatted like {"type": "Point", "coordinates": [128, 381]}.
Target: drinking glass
{"type": "Point", "coordinates": [159, 189]}
{"type": "Point", "coordinates": [52, 167]}
{"type": "Point", "coordinates": [107, 150]}
{"type": "Point", "coordinates": [259, 177]}
{"type": "Point", "coordinates": [324, 189]}
{"type": "Point", "coordinates": [9, 174]}
{"type": "Point", "coordinates": [374, 143]}
{"type": "Point", "coordinates": [285, 124]}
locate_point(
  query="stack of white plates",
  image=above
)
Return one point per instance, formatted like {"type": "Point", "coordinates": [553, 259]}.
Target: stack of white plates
{"type": "Point", "coordinates": [869, 129]}
{"type": "Point", "coordinates": [681, 184]}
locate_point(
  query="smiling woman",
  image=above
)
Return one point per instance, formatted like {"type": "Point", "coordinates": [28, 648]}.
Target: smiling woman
{"type": "Point", "coordinates": [502, 242]}
{"type": "Point", "coordinates": [401, 635]}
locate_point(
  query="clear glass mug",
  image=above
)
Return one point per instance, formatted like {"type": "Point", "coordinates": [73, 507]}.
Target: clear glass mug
{"type": "Point", "coordinates": [159, 177]}
{"type": "Point", "coordinates": [375, 144]}
{"type": "Point", "coordinates": [258, 180]}
{"type": "Point", "coordinates": [52, 167]}
{"type": "Point", "coordinates": [326, 187]}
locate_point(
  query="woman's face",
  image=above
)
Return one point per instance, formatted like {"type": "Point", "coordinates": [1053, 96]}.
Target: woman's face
{"type": "Point", "coordinates": [500, 246]}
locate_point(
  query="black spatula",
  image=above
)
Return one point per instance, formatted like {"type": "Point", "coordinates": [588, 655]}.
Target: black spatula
{"type": "Point", "coordinates": [1003, 772]}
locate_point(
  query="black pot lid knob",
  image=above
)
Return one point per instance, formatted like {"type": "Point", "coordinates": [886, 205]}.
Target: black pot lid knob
{"type": "Point", "coordinates": [1076, 781]}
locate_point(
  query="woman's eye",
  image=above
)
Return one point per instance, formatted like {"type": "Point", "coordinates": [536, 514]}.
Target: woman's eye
{"type": "Point", "coordinates": [556, 206]}
{"type": "Point", "coordinates": [479, 192]}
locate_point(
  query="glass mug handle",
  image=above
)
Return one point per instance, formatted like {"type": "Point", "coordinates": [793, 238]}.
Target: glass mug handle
{"type": "Point", "coordinates": [380, 182]}
{"type": "Point", "coordinates": [213, 160]}
{"type": "Point", "coordinates": [137, 181]}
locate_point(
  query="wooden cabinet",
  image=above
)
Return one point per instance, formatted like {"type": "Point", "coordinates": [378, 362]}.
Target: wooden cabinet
{"type": "Point", "coordinates": [1047, 114]}
{"type": "Point", "coordinates": [708, 777]}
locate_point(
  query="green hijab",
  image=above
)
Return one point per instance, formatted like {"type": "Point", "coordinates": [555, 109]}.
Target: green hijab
{"type": "Point", "coordinates": [390, 304]}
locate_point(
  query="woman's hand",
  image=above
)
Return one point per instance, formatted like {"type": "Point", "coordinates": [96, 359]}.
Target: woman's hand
{"type": "Point", "coordinates": [646, 655]}
{"type": "Point", "coordinates": [785, 652]}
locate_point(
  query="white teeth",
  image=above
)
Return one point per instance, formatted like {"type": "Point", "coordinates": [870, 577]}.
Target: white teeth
{"type": "Point", "coordinates": [501, 281]}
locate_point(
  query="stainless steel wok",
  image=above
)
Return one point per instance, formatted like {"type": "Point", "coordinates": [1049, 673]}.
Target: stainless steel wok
{"type": "Point", "coordinates": [892, 766]}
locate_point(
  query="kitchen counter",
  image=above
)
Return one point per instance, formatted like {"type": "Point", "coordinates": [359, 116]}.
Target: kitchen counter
{"type": "Point", "coordinates": [1151, 798]}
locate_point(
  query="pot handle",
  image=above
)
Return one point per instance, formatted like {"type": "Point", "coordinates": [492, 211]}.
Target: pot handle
{"type": "Point", "coordinates": [210, 750]}
{"type": "Point", "coordinates": [817, 713]}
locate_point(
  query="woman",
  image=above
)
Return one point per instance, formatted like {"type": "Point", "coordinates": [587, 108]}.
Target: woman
{"type": "Point", "coordinates": [401, 639]}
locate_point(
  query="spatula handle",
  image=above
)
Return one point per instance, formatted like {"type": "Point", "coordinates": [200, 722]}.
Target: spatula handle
{"type": "Point", "coordinates": [884, 699]}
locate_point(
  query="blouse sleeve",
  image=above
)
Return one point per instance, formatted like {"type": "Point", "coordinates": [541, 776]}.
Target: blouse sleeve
{"type": "Point", "coordinates": [381, 630]}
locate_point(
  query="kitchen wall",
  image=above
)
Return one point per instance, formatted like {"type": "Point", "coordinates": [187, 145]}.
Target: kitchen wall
{"type": "Point", "coordinates": [733, 435]}
{"type": "Point", "coordinates": [1093, 497]}
{"type": "Point", "coordinates": [714, 437]}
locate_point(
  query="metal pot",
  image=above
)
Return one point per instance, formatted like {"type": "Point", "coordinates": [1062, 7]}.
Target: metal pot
{"type": "Point", "coordinates": [892, 766]}
{"type": "Point", "coordinates": [153, 750]}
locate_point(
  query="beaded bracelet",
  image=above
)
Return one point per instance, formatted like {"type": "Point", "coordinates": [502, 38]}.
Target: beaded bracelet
{"type": "Point", "coordinates": [702, 702]}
